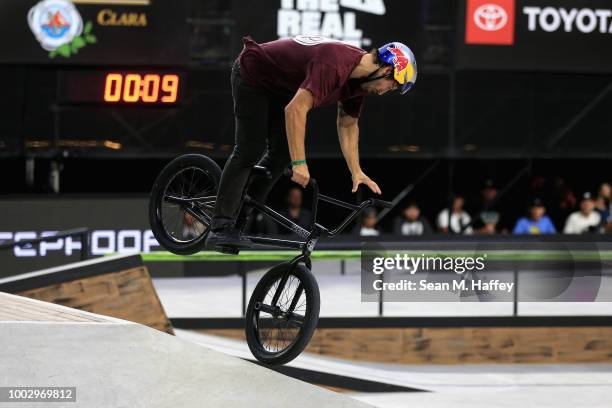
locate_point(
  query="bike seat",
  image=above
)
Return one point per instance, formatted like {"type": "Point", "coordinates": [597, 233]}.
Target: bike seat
{"type": "Point", "coordinates": [260, 171]}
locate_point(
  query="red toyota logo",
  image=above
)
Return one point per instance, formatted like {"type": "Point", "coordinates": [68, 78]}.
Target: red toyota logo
{"type": "Point", "coordinates": [489, 22]}
{"type": "Point", "coordinates": [490, 17]}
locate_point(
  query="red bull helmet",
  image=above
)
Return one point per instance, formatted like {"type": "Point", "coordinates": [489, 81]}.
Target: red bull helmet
{"type": "Point", "coordinates": [401, 58]}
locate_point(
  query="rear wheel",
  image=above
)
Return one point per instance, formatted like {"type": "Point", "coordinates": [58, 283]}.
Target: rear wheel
{"type": "Point", "coordinates": [182, 202]}
{"type": "Point", "coordinates": [282, 314]}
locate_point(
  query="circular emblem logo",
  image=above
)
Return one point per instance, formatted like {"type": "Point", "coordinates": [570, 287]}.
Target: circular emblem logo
{"type": "Point", "coordinates": [490, 17]}
{"type": "Point", "coordinates": [55, 23]}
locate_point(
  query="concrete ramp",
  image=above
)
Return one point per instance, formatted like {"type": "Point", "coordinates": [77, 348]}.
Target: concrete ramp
{"type": "Point", "coordinates": [115, 363]}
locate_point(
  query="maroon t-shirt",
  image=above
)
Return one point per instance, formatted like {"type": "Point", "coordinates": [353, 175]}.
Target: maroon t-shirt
{"type": "Point", "coordinates": [319, 65]}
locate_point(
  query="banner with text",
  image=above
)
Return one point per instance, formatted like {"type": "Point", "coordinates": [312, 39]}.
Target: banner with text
{"type": "Point", "coordinates": [535, 35]}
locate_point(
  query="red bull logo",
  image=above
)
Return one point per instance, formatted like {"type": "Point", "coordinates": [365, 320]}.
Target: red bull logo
{"type": "Point", "coordinates": [400, 61]}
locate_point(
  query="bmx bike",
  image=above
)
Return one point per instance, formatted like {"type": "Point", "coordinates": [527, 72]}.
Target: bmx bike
{"type": "Point", "coordinates": [283, 310]}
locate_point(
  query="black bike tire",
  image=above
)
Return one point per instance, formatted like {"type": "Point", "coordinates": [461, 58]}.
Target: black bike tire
{"type": "Point", "coordinates": [311, 289]}
{"type": "Point", "coordinates": [162, 180]}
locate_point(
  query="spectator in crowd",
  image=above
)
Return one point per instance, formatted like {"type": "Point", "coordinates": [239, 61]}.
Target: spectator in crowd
{"type": "Point", "coordinates": [192, 228]}
{"type": "Point", "coordinates": [487, 213]}
{"type": "Point", "coordinates": [602, 203]}
{"type": "Point", "coordinates": [456, 219]}
{"type": "Point", "coordinates": [411, 222]}
{"type": "Point", "coordinates": [556, 194]}
{"type": "Point", "coordinates": [489, 221]}
{"type": "Point", "coordinates": [605, 192]}
{"type": "Point", "coordinates": [585, 220]}
{"type": "Point", "coordinates": [368, 224]}
{"type": "Point", "coordinates": [294, 211]}
{"type": "Point", "coordinates": [537, 222]}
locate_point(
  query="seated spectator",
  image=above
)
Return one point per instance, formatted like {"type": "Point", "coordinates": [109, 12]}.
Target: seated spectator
{"type": "Point", "coordinates": [411, 222]}
{"type": "Point", "coordinates": [455, 220]}
{"type": "Point", "coordinates": [192, 228]}
{"type": "Point", "coordinates": [602, 203]}
{"type": "Point", "coordinates": [294, 211]}
{"type": "Point", "coordinates": [537, 222]}
{"type": "Point", "coordinates": [585, 220]}
{"type": "Point", "coordinates": [602, 210]}
{"type": "Point", "coordinates": [605, 192]}
{"type": "Point", "coordinates": [368, 224]}
{"type": "Point", "coordinates": [489, 221]}
{"type": "Point", "coordinates": [486, 208]}
{"type": "Point", "coordinates": [556, 194]}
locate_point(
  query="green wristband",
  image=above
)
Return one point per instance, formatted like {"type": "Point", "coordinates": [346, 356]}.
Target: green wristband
{"type": "Point", "coordinates": [298, 162]}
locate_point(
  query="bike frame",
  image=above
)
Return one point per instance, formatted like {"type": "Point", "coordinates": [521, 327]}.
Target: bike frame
{"type": "Point", "coordinates": [195, 206]}
{"type": "Point", "coordinates": [317, 230]}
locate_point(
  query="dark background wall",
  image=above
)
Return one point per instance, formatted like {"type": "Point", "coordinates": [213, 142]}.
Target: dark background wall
{"type": "Point", "coordinates": [476, 114]}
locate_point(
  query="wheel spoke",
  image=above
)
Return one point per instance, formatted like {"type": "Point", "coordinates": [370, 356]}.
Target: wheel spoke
{"type": "Point", "coordinates": [279, 325]}
{"type": "Point", "coordinates": [181, 225]}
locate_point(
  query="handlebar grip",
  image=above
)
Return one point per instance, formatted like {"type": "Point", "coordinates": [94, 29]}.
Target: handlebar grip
{"type": "Point", "coordinates": [289, 173]}
{"type": "Point", "coordinates": [381, 203]}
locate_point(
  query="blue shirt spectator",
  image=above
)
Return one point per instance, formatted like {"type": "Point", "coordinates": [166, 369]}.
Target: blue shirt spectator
{"type": "Point", "coordinates": [537, 222]}
{"type": "Point", "coordinates": [528, 226]}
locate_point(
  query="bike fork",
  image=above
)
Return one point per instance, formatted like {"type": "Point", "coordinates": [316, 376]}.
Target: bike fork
{"type": "Point", "coordinates": [283, 282]}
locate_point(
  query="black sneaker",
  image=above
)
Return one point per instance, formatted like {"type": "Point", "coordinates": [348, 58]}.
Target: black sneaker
{"type": "Point", "coordinates": [227, 237]}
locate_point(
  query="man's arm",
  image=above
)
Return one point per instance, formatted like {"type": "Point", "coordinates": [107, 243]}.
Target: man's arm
{"type": "Point", "coordinates": [348, 134]}
{"type": "Point", "coordinates": [296, 112]}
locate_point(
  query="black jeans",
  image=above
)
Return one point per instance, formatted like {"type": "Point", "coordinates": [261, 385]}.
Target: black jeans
{"type": "Point", "coordinates": [260, 139]}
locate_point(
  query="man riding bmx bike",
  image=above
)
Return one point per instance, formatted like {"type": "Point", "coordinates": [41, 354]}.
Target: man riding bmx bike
{"type": "Point", "coordinates": [274, 86]}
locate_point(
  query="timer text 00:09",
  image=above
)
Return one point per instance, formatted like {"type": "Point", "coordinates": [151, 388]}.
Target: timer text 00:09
{"type": "Point", "coordinates": [134, 88]}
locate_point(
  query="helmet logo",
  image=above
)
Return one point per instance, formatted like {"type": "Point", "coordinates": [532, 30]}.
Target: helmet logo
{"type": "Point", "coordinates": [490, 17]}
{"type": "Point", "coordinates": [403, 69]}
{"type": "Point", "coordinates": [400, 62]}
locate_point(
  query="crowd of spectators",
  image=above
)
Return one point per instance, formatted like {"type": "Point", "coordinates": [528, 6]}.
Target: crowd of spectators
{"type": "Point", "coordinates": [553, 208]}
{"type": "Point", "coordinates": [589, 213]}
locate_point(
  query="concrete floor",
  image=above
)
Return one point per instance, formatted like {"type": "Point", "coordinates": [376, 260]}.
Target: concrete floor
{"type": "Point", "coordinates": [469, 386]}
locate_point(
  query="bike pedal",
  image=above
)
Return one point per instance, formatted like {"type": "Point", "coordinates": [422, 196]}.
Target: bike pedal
{"type": "Point", "coordinates": [227, 250]}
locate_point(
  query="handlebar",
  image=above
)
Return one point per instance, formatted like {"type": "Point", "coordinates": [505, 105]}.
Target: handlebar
{"type": "Point", "coordinates": [289, 173]}
{"type": "Point", "coordinates": [369, 202]}
{"type": "Point", "coordinates": [356, 209]}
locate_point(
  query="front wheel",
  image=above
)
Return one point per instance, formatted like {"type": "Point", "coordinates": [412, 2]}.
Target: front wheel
{"type": "Point", "coordinates": [282, 314]}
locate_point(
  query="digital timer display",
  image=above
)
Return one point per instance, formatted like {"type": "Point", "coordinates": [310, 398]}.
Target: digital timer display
{"type": "Point", "coordinates": [134, 88]}
{"type": "Point", "coordinates": [125, 88]}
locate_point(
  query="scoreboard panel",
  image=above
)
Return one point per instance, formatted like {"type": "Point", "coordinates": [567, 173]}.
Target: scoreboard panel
{"type": "Point", "coordinates": [121, 87]}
